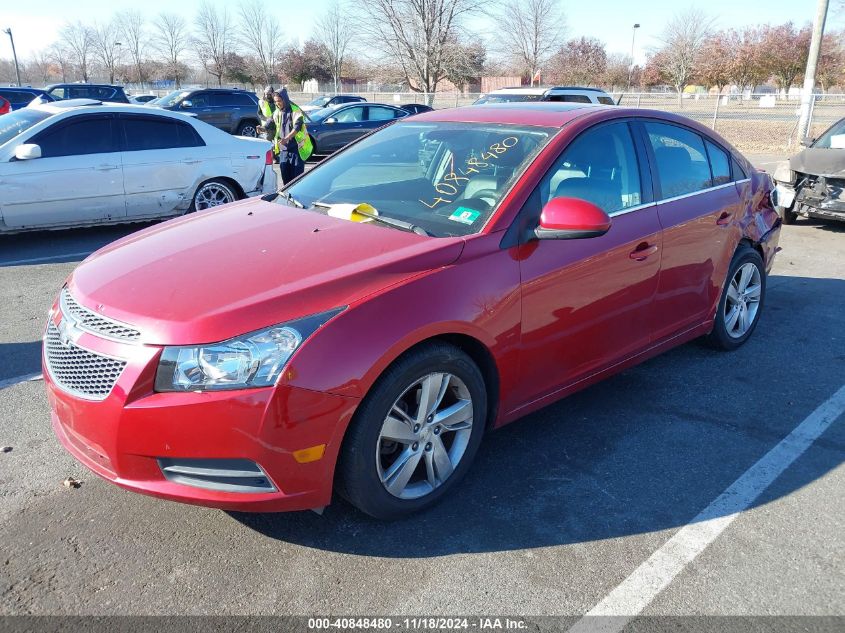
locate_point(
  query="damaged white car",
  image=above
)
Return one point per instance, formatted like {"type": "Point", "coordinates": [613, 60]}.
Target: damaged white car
{"type": "Point", "coordinates": [83, 162]}
{"type": "Point", "coordinates": [812, 183]}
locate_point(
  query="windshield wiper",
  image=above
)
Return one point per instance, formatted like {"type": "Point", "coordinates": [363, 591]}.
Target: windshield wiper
{"type": "Point", "coordinates": [289, 197]}
{"type": "Point", "coordinates": [395, 223]}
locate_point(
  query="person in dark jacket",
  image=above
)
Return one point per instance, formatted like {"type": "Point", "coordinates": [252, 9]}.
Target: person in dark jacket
{"type": "Point", "coordinates": [292, 142]}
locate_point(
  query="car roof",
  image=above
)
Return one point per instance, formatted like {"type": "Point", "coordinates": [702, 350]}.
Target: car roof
{"type": "Point", "coordinates": [544, 113]}
{"type": "Point", "coordinates": [22, 89]}
{"type": "Point", "coordinates": [93, 105]}
{"type": "Point", "coordinates": [82, 85]}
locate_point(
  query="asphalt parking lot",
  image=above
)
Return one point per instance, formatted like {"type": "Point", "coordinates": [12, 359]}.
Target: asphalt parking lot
{"type": "Point", "coordinates": [559, 511]}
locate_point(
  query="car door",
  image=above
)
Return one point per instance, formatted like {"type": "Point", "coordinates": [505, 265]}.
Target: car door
{"type": "Point", "coordinates": [78, 179]}
{"type": "Point", "coordinates": [161, 164]}
{"type": "Point", "coordinates": [223, 111]}
{"type": "Point", "coordinates": [587, 303]}
{"type": "Point", "coordinates": [348, 125]}
{"type": "Point", "coordinates": [200, 107]}
{"type": "Point", "coordinates": [696, 212]}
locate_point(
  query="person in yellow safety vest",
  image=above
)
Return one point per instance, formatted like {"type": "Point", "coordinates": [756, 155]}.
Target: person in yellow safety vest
{"type": "Point", "coordinates": [266, 107]}
{"type": "Point", "coordinates": [292, 142]}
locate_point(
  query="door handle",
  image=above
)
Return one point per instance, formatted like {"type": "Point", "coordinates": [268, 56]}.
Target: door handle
{"type": "Point", "coordinates": [106, 167]}
{"type": "Point", "coordinates": [191, 161]}
{"type": "Point", "coordinates": [724, 219]}
{"type": "Point", "coordinates": [643, 251]}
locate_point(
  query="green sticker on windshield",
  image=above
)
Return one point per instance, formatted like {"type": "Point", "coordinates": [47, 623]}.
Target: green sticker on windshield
{"type": "Point", "coordinates": [464, 215]}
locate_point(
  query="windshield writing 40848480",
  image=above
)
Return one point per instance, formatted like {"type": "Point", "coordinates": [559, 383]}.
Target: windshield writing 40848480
{"type": "Point", "coordinates": [453, 182]}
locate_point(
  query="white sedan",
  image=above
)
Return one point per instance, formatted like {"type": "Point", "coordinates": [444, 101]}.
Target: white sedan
{"type": "Point", "coordinates": [81, 162]}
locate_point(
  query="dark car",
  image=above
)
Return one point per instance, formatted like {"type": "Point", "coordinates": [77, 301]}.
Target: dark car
{"type": "Point", "coordinates": [812, 184]}
{"type": "Point", "coordinates": [334, 128]}
{"type": "Point", "coordinates": [100, 92]}
{"type": "Point", "coordinates": [416, 108]}
{"type": "Point", "coordinates": [231, 110]}
{"type": "Point", "coordinates": [21, 97]}
{"type": "Point", "coordinates": [330, 101]}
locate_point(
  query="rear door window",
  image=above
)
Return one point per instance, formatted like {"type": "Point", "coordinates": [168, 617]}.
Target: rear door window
{"type": "Point", "coordinates": [682, 165]}
{"type": "Point", "coordinates": [350, 115]}
{"type": "Point", "coordinates": [231, 99]}
{"type": "Point", "coordinates": [569, 98]}
{"type": "Point", "coordinates": [720, 164]}
{"type": "Point", "coordinates": [152, 132]}
{"type": "Point", "coordinates": [378, 113]}
{"type": "Point", "coordinates": [85, 135]}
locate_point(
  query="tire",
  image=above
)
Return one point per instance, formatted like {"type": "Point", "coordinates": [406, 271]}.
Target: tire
{"type": "Point", "coordinates": [248, 128]}
{"type": "Point", "coordinates": [731, 327]}
{"type": "Point", "coordinates": [370, 474]}
{"type": "Point", "coordinates": [212, 193]}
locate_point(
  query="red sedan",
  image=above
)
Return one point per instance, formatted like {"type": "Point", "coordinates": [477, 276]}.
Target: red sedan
{"type": "Point", "coordinates": [442, 277]}
{"type": "Point", "coordinates": [5, 106]}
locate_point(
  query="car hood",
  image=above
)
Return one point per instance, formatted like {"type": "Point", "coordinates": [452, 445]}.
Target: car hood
{"type": "Point", "coordinates": [819, 162]}
{"type": "Point", "coordinates": [223, 272]}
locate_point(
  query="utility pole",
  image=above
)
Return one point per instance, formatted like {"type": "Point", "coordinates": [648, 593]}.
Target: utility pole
{"type": "Point", "coordinates": [631, 67]}
{"type": "Point", "coordinates": [810, 74]}
{"type": "Point", "coordinates": [15, 55]}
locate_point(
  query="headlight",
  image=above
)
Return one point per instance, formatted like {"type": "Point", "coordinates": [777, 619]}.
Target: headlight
{"type": "Point", "coordinates": [252, 360]}
{"type": "Point", "coordinates": [784, 174]}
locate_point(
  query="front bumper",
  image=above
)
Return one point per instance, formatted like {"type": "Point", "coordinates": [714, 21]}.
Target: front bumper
{"type": "Point", "coordinates": [122, 437]}
{"type": "Point", "coordinates": [821, 200]}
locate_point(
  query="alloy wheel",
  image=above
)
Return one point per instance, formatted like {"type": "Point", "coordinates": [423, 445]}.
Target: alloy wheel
{"type": "Point", "coordinates": [212, 194]}
{"type": "Point", "coordinates": [424, 436]}
{"type": "Point", "coordinates": [743, 300]}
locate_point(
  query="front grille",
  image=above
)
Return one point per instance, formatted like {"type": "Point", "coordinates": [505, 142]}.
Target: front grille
{"type": "Point", "coordinates": [96, 324]}
{"type": "Point", "coordinates": [79, 371]}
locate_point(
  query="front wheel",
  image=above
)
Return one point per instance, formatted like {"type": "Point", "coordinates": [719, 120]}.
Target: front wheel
{"type": "Point", "coordinates": [741, 302]}
{"type": "Point", "coordinates": [416, 433]}
{"type": "Point", "coordinates": [213, 193]}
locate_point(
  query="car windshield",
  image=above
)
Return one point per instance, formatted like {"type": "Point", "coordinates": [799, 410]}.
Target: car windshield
{"type": "Point", "coordinates": [834, 138]}
{"type": "Point", "coordinates": [18, 122]}
{"type": "Point", "coordinates": [505, 98]}
{"type": "Point", "coordinates": [320, 102]}
{"type": "Point", "coordinates": [446, 178]}
{"type": "Point", "coordinates": [172, 98]}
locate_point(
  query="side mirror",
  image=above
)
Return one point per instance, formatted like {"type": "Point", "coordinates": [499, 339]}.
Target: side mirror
{"type": "Point", "coordinates": [807, 141]}
{"type": "Point", "coordinates": [27, 151]}
{"type": "Point", "coordinates": [331, 120]}
{"type": "Point", "coordinates": [187, 103]}
{"type": "Point", "coordinates": [571, 219]}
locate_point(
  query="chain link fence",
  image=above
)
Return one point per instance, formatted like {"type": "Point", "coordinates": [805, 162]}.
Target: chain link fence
{"type": "Point", "coordinates": [754, 124]}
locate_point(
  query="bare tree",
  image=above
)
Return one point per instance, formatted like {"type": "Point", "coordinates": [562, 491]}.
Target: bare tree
{"type": "Point", "coordinates": [79, 40]}
{"type": "Point", "coordinates": [682, 40]}
{"type": "Point", "coordinates": [171, 38]}
{"type": "Point", "coordinates": [530, 33]}
{"type": "Point", "coordinates": [107, 46]}
{"type": "Point", "coordinates": [261, 33]}
{"type": "Point", "coordinates": [213, 37]}
{"type": "Point", "coordinates": [134, 36]}
{"type": "Point", "coordinates": [334, 31]}
{"type": "Point", "coordinates": [40, 66]}
{"type": "Point", "coordinates": [60, 55]}
{"type": "Point", "coordinates": [416, 35]}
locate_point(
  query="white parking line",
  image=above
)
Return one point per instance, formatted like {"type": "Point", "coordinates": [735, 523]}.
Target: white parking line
{"type": "Point", "coordinates": [9, 382]}
{"type": "Point", "coordinates": [635, 593]}
{"type": "Point", "coordinates": [43, 260]}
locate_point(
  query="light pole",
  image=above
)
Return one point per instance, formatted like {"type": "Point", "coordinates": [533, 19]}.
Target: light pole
{"type": "Point", "coordinates": [631, 67]}
{"type": "Point", "coordinates": [14, 54]}
{"type": "Point", "coordinates": [117, 49]}
{"type": "Point", "coordinates": [810, 74]}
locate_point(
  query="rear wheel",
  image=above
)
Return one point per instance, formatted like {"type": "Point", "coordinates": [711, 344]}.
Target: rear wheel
{"type": "Point", "coordinates": [416, 433]}
{"type": "Point", "coordinates": [213, 193]}
{"type": "Point", "coordinates": [741, 302]}
{"type": "Point", "coordinates": [248, 128]}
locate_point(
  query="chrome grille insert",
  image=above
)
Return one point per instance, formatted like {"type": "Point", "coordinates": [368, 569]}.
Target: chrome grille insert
{"type": "Point", "coordinates": [79, 371]}
{"type": "Point", "coordinates": [97, 324]}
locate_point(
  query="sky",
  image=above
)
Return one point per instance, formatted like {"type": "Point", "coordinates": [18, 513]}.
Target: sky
{"type": "Point", "coordinates": [36, 24]}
